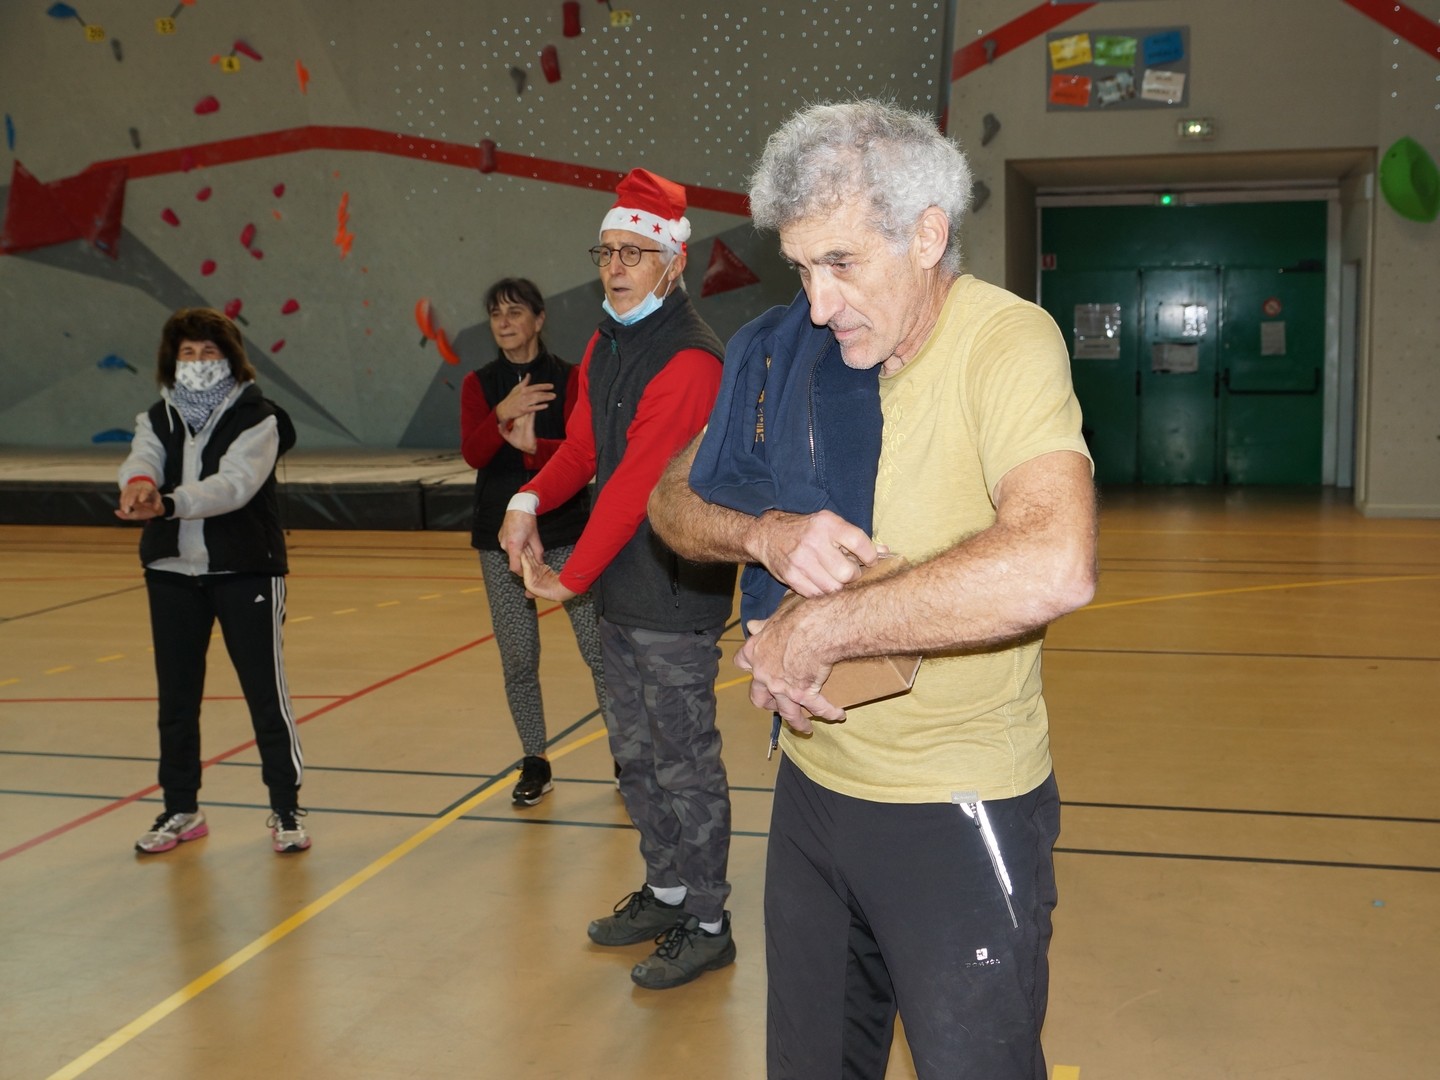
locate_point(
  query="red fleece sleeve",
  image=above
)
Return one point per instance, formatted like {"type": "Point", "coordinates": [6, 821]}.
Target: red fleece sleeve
{"type": "Point", "coordinates": [572, 462]}
{"type": "Point", "coordinates": [671, 412]}
{"type": "Point", "coordinates": [479, 432]}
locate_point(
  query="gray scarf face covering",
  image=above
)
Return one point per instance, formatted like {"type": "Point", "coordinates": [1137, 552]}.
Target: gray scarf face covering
{"type": "Point", "coordinates": [197, 405]}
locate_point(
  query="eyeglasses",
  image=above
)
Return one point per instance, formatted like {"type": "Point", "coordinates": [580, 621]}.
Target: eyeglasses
{"type": "Point", "coordinates": [629, 254]}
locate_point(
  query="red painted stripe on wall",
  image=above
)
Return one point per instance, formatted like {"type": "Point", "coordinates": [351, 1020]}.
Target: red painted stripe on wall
{"type": "Point", "coordinates": [370, 140]}
{"type": "Point", "coordinates": [1403, 22]}
{"type": "Point", "coordinates": [1038, 20]}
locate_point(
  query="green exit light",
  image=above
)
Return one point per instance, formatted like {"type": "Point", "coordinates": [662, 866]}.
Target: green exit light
{"type": "Point", "coordinates": [1167, 199]}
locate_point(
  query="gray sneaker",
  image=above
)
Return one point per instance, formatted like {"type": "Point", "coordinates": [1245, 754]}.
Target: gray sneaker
{"type": "Point", "coordinates": [686, 952]}
{"type": "Point", "coordinates": [171, 830]}
{"type": "Point", "coordinates": [641, 916]}
{"type": "Point", "coordinates": [286, 833]}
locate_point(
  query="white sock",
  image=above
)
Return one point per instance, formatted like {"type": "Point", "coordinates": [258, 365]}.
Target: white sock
{"type": "Point", "coordinates": [712, 927]}
{"type": "Point", "coordinates": [673, 895]}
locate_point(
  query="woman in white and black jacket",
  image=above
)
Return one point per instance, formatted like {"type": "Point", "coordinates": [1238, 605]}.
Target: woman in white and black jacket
{"type": "Point", "coordinates": [201, 475]}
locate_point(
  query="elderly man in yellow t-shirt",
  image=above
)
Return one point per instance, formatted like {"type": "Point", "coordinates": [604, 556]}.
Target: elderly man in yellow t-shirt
{"type": "Point", "coordinates": [910, 859]}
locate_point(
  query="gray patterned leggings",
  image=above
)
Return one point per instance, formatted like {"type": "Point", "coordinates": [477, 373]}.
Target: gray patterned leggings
{"type": "Point", "coordinates": [517, 633]}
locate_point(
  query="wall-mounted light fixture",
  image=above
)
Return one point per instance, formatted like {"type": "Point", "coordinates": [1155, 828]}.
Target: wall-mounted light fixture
{"type": "Point", "coordinates": [1196, 127]}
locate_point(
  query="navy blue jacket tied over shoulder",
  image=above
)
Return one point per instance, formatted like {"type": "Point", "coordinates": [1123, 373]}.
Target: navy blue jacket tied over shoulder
{"type": "Point", "coordinates": [793, 429]}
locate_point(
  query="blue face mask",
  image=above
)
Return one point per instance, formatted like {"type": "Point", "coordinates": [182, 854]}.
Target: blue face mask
{"type": "Point", "coordinates": [648, 306]}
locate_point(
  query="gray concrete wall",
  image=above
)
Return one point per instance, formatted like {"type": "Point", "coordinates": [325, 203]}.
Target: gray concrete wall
{"type": "Point", "coordinates": [688, 90]}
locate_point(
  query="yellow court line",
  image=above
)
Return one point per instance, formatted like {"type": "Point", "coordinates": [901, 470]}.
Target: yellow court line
{"type": "Point", "coordinates": [732, 682]}
{"type": "Point", "coordinates": [474, 588]}
{"type": "Point", "coordinates": [1066, 1072]}
{"type": "Point", "coordinates": [1259, 588]}
{"type": "Point", "coordinates": [431, 596]}
{"type": "Point", "coordinates": [299, 618]}
{"type": "Point", "coordinates": [388, 603]}
{"type": "Point", "coordinates": [1421, 534]}
{"type": "Point", "coordinates": [345, 611]}
{"type": "Point", "coordinates": [8, 682]}
{"type": "Point", "coordinates": [195, 988]}
{"type": "Point", "coordinates": [112, 656]}
{"type": "Point", "coordinates": [60, 669]}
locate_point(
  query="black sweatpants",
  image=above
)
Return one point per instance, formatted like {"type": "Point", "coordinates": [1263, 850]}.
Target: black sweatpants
{"type": "Point", "coordinates": [251, 612]}
{"type": "Point", "coordinates": [870, 906]}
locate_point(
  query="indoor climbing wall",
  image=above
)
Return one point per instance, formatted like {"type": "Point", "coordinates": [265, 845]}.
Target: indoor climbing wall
{"type": "Point", "coordinates": [346, 178]}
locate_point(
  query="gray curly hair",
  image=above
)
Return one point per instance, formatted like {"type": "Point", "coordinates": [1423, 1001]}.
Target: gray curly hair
{"type": "Point", "coordinates": [895, 160]}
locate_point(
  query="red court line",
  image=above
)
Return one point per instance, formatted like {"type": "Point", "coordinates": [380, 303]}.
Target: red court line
{"type": "Point", "coordinates": [60, 830]}
{"type": "Point", "coordinates": [127, 700]}
{"type": "Point", "coordinates": [1403, 22]}
{"type": "Point", "coordinates": [371, 140]}
{"type": "Point", "coordinates": [1012, 35]}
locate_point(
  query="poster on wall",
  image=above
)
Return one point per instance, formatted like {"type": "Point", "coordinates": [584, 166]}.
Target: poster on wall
{"type": "Point", "coordinates": [1098, 70]}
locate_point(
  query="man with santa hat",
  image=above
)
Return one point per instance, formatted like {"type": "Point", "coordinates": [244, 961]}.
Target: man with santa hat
{"type": "Point", "coordinates": [648, 380]}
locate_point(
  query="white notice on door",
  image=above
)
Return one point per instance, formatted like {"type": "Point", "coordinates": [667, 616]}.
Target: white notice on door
{"type": "Point", "coordinates": [1174, 359]}
{"type": "Point", "coordinates": [1272, 338]}
{"type": "Point", "coordinates": [1097, 332]}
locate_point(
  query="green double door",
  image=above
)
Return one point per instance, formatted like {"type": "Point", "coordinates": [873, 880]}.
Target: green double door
{"type": "Point", "coordinates": [1196, 337]}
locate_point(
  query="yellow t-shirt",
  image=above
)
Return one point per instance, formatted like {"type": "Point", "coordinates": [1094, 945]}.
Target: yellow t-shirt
{"type": "Point", "coordinates": [989, 390]}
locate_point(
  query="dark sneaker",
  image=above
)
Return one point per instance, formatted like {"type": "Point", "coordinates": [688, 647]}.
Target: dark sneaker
{"type": "Point", "coordinates": [534, 782]}
{"type": "Point", "coordinates": [639, 917]}
{"type": "Point", "coordinates": [685, 952]}
{"type": "Point", "coordinates": [171, 830]}
{"type": "Point", "coordinates": [286, 832]}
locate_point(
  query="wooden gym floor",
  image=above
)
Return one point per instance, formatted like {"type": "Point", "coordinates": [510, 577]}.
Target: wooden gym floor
{"type": "Point", "coordinates": [1245, 730]}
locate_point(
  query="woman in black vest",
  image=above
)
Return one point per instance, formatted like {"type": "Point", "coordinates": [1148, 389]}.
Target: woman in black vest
{"type": "Point", "coordinates": [512, 418]}
{"type": "Point", "coordinates": [201, 476]}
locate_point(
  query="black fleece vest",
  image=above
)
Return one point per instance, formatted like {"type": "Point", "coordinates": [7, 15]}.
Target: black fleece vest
{"type": "Point", "coordinates": [648, 585]}
{"type": "Point", "coordinates": [506, 472]}
{"type": "Point", "coordinates": [245, 541]}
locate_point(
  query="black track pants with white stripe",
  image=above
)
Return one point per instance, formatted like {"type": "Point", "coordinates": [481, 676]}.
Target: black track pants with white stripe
{"type": "Point", "coordinates": [251, 611]}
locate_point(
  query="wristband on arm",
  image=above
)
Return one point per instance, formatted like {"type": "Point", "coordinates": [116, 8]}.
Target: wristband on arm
{"type": "Point", "coordinates": [527, 502]}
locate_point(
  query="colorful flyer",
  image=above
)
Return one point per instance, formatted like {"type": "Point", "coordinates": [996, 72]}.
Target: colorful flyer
{"type": "Point", "coordinates": [1164, 48]}
{"type": "Point", "coordinates": [1117, 87]}
{"type": "Point", "coordinates": [1070, 51]}
{"type": "Point", "coordinates": [1113, 51]}
{"type": "Point", "coordinates": [1071, 90]}
{"type": "Point", "coordinates": [1165, 86]}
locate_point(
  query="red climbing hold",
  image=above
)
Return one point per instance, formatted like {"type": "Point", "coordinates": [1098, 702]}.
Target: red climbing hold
{"type": "Point", "coordinates": [207, 105]}
{"type": "Point", "coordinates": [169, 217]}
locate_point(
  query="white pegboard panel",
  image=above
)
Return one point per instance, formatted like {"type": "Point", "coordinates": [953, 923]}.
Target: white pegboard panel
{"type": "Point", "coordinates": [690, 88]}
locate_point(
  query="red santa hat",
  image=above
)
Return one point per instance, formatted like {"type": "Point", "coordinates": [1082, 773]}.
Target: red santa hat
{"type": "Point", "coordinates": [651, 206]}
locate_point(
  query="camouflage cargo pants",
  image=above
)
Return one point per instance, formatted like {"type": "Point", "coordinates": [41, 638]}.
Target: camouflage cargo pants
{"type": "Point", "coordinates": [661, 722]}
